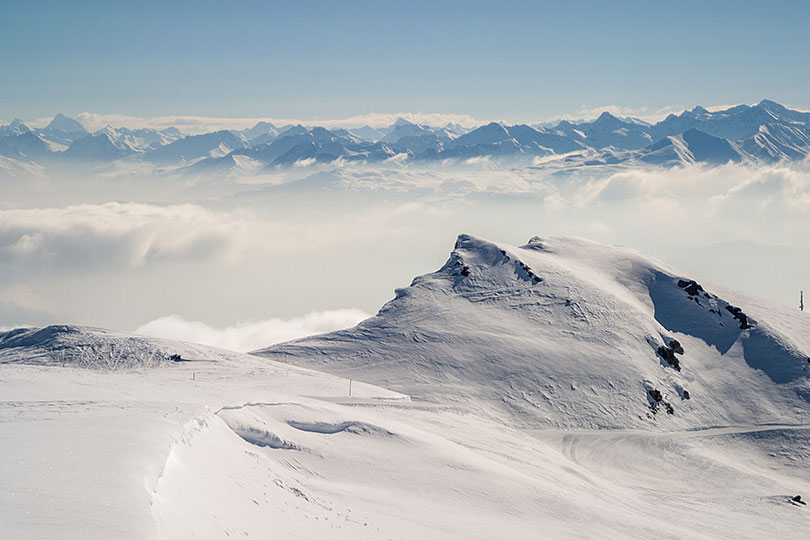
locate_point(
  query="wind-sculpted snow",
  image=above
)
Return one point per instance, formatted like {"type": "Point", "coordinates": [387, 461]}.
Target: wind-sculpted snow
{"type": "Point", "coordinates": [67, 345]}
{"type": "Point", "coordinates": [96, 348]}
{"type": "Point", "coordinates": [501, 347]}
{"type": "Point", "coordinates": [564, 332]}
{"type": "Point", "coordinates": [721, 325]}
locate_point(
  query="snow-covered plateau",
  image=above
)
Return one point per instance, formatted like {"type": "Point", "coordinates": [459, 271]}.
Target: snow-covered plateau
{"type": "Point", "coordinates": [562, 389]}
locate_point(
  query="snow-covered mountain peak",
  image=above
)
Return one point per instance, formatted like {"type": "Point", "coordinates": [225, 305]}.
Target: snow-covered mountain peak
{"type": "Point", "coordinates": [567, 332]}
{"type": "Point", "coordinates": [606, 117]}
{"type": "Point", "coordinates": [702, 404]}
{"type": "Point", "coordinates": [494, 127]}
{"type": "Point", "coordinates": [770, 105]}
{"type": "Point", "coordinates": [294, 130]}
{"type": "Point", "coordinates": [18, 126]}
{"type": "Point", "coordinates": [401, 122]}
{"type": "Point", "coordinates": [64, 123]}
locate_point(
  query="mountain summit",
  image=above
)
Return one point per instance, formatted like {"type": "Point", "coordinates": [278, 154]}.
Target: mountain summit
{"type": "Point", "coordinates": [61, 122]}
{"type": "Point", "coordinates": [570, 333]}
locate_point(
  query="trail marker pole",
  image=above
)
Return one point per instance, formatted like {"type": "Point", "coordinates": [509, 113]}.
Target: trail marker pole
{"type": "Point", "coordinates": [350, 388]}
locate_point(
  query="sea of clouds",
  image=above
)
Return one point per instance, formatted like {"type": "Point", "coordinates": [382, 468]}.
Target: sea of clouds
{"type": "Point", "coordinates": [317, 249]}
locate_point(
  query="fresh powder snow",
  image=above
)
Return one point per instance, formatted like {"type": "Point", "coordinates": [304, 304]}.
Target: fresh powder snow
{"type": "Point", "coordinates": [560, 389]}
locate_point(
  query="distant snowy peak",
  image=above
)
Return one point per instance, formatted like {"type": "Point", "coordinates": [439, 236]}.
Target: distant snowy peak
{"type": "Point", "coordinates": [144, 138]}
{"type": "Point", "coordinates": [569, 333]}
{"type": "Point", "coordinates": [104, 145]}
{"type": "Point", "coordinates": [300, 144]}
{"type": "Point", "coordinates": [194, 147]}
{"type": "Point", "coordinates": [400, 122]}
{"type": "Point", "coordinates": [765, 132]}
{"type": "Point", "coordinates": [777, 142]}
{"type": "Point", "coordinates": [692, 146]}
{"type": "Point", "coordinates": [608, 131]}
{"type": "Point", "coordinates": [487, 134]}
{"type": "Point", "coordinates": [266, 130]}
{"type": "Point", "coordinates": [415, 130]}
{"type": "Point", "coordinates": [16, 127]}
{"type": "Point", "coordinates": [369, 133]}
{"type": "Point", "coordinates": [736, 123]}
{"type": "Point", "coordinates": [66, 124]}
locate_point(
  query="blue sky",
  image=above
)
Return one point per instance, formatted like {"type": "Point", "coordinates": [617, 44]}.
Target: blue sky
{"type": "Point", "coordinates": [509, 61]}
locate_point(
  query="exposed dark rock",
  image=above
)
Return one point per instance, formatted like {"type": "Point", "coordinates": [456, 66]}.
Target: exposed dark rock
{"type": "Point", "coordinates": [797, 499]}
{"type": "Point", "coordinates": [676, 346]}
{"type": "Point", "coordinates": [741, 317]}
{"type": "Point", "coordinates": [658, 399]}
{"type": "Point", "coordinates": [685, 394]}
{"type": "Point", "coordinates": [465, 271]}
{"type": "Point", "coordinates": [669, 357]}
{"type": "Point", "coordinates": [691, 287]}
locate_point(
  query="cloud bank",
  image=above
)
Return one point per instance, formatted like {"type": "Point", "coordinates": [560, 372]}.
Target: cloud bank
{"type": "Point", "coordinates": [347, 236]}
{"type": "Point", "coordinates": [117, 234]}
{"type": "Point", "coordinates": [203, 124]}
{"type": "Point", "coordinates": [251, 335]}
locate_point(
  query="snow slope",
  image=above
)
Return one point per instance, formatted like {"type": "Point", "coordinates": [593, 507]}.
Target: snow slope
{"type": "Point", "coordinates": [90, 447]}
{"type": "Point", "coordinates": [518, 359]}
{"type": "Point", "coordinates": [104, 145]}
{"type": "Point", "coordinates": [568, 333]}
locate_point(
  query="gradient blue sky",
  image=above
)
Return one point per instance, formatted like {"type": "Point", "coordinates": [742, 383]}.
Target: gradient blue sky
{"type": "Point", "coordinates": [507, 61]}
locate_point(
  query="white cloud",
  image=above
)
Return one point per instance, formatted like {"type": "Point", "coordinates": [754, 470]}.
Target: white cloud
{"type": "Point", "coordinates": [131, 234]}
{"type": "Point", "coordinates": [308, 162]}
{"type": "Point", "coordinates": [251, 335]}
{"type": "Point", "coordinates": [397, 158]}
{"type": "Point", "coordinates": [478, 161]}
{"type": "Point", "coordinates": [201, 124]}
{"type": "Point", "coordinates": [135, 235]}
{"type": "Point", "coordinates": [651, 115]}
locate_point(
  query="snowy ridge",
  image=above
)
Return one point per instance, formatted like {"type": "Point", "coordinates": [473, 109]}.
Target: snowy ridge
{"type": "Point", "coordinates": [95, 348]}
{"type": "Point", "coordinates": [569, 333]}
{"type": "Point", "coordinates": [500, 341]}
{"type": "Point", "coordinates": [765, 132]}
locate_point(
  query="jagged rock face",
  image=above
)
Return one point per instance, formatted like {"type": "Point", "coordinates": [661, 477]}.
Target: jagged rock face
{"type": "Point", "coordinates": [570, 333]}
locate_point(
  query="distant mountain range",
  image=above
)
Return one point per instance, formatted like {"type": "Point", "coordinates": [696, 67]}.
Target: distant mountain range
{"type": "Point", "coordinates": [765, 132]}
